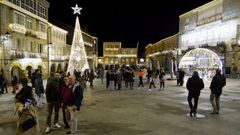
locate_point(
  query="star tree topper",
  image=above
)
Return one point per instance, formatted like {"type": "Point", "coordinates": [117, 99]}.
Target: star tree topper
{"type": "Point", "coordinates": [77, 9]}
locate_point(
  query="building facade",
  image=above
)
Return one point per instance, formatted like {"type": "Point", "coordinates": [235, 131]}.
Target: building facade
{"type": "Point", "coordinates": [215, 26]}
{"type": "Point", "coordinates": [116, 56]}
{"type": "Point", "coordinates": [163, 54]}
{"type": "Point", "coordinates": [91, 47]}
{"type": "Point", "coordinates": [57, 57]}
{"type": "Point", "coordinates": [27, 24]}
{"type": "Point", "coordinates": [34, 42]}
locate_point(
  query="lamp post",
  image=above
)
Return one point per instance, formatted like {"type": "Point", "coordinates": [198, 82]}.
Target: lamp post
{"type": "Point", "coordinates": [3, 39]}
{"type": "Point", "coordinates": [48, 57]}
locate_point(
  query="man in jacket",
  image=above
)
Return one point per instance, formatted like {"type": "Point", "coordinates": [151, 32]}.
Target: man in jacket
{"type": "Point", "coordinates": [194, 86]}
{"type": "Point", "coordinates": [72, 98]}
{"type": "Point", "coordinates": [52, 96]}
{"type": "Point", "coordinates": [218, 82]}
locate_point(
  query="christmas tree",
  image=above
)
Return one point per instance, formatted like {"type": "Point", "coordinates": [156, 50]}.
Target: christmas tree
{"type": "Point", "coordinates": [78, 58]}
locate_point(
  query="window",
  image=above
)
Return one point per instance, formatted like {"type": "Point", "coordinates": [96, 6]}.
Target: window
{"type": "Point", "coordinates": [29, 24]}
{"type": "Point", "coordinates": [31, 46]}
{"type": "Point", "coordinates": [17, 44]}
{"type": "Point", "coordinates": [32, 6]}
{"type": "Point", "coordinates": [40, 50]}
{"type": "Point", "coordinates": [42, 11]}
{"type": "Point", "coordinates": [42, 27]}
{"type": "Point", "coordinates": [19, 18]}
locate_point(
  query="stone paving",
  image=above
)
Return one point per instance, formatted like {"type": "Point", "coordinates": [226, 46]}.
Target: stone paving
{"type": "Point", "coordinates": [141, 112]}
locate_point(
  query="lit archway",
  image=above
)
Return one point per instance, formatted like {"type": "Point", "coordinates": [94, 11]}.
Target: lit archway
{"type": "Point", "coordinates": [200, 59]}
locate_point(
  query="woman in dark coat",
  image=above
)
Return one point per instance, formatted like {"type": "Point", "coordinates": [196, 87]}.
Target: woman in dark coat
{"type": "Point", "coordinates": [194, 86]}
{"type": "Point", "coordinates": [26, 111]}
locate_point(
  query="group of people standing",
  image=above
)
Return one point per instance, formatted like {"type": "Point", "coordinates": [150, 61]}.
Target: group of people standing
{"type": "Point", "coordinates": [62, 91]}
{"type": "Point", "coordinates": [115, 77]}
{"type": "Point", "coordinates": [195, 85]}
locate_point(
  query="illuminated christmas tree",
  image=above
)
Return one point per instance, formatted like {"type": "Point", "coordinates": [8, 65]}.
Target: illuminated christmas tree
{"type": "Point", "coordinates": [78, 58]}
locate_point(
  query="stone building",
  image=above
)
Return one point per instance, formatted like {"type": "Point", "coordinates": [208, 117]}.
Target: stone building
{"type": "Point", "coordinates": [116, 56]}
{"type": "Point", "coordinates": [214, 26]}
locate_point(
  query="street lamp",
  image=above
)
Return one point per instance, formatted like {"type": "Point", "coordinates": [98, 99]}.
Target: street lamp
{"type": "Point", "coordinates": [3, 38]}
{"type": "Point", "coordinates": [48, 57]}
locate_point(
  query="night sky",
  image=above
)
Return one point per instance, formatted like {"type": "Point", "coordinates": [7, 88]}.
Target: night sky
{"type": "Point", "coordinates": [127, 21]}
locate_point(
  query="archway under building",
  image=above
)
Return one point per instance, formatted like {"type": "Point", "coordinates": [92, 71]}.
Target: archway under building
{"type": "Point", "coordinates": [203, 60]}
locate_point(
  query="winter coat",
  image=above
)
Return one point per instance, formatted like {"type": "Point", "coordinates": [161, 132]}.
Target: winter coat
{"type": "Point", "coordinates": [119, 77]}
{"type": "Point", "coordinates": [77, 95]}
{"type": "Point", "coordinates": [52, 91]}
{"type": "Point", "coordinates": [140, 73]}
{"type": "Point", "coordinates": [24, 115]}
{"type": "Point", "coordinates": [218, 82]}
{"type": "Point", "coordinates": [91, 77]}
{"type": "Point", "coordinates": [181, 74]}
{"type": "Point", "coordinates": [194, 86]}
{"type": "Point", "coordinates": [39, 89]}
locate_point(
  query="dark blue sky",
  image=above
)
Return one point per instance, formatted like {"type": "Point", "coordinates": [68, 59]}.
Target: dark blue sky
{"type": "Point", "coordinates": [127, 21]}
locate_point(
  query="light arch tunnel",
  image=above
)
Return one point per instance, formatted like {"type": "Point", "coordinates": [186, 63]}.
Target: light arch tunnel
{"type": "Point", "coordinates": [203, 60]}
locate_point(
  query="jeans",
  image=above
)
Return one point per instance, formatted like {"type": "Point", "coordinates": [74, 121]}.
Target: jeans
{"type": "Point", "coordinates": [112, 85]}
{"type": "Point", "coordinates": [214, 99]}
{"type": "Point", "coordinates": [140, 81]}
{"type": "Point", "coordinates": [64, 109]}
{"type": "Point", "coordinates": [162, 84]}
{"type": "Point", "coordinates": [126, 83]}
{"type": "Point", "coordinates": [50, 108]}
{"type": "Point", "coordinates": [72, 118]}
{"type": "Point", "coordinates": [193, 108]}
{"type": "Point", "coordinates": [40, 100]}
{"type": "Point", "coordinates": [150, 85]}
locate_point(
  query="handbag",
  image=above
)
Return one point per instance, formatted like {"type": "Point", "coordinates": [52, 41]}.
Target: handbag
{"type": "Point", "coordinates": [28, 124]}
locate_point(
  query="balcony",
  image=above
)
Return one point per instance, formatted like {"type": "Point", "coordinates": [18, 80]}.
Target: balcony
{"type": "Point", "coordinates": [17, 28]}
{"type": "Point", "coordinates": [58, 57]}
{"type": "Point", "coordinates": [41, 35]}
{"type": "Point", "coordinates": [19, 54]}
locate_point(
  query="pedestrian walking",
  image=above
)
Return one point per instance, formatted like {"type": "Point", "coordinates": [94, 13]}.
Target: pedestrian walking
{"type": "Point", "coordinates": [25, 108]}
{"type": "Point", "coordinates": [140, 76]}
{"type": "Point", "coordinates": [181, 77]}
{"type": "Point", "coordinates": [194, 85]}
{"type": "Point", "coordinates": [218, 82]}
{"type": "Point", "coordinates": [53, 103]}
{"type": "Point", "coordinates": [39, 89]}
{"type": "Point", "coordinates": [14, 84]}
{"type": "Point", "coordinates": [108, 79]}
{"type": "Point", "coordinates": [101, 70]}
{"type": "Point", "coordinates": [177, 76]}
{"type": "Point", "coordinates": [151, 82]}
{"type": "Point", "coordinates": [91, 78]}
{"type": "Point", "coordinates": [5, 84]}
{"type": "Point", "coordinates": [131, 79]}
